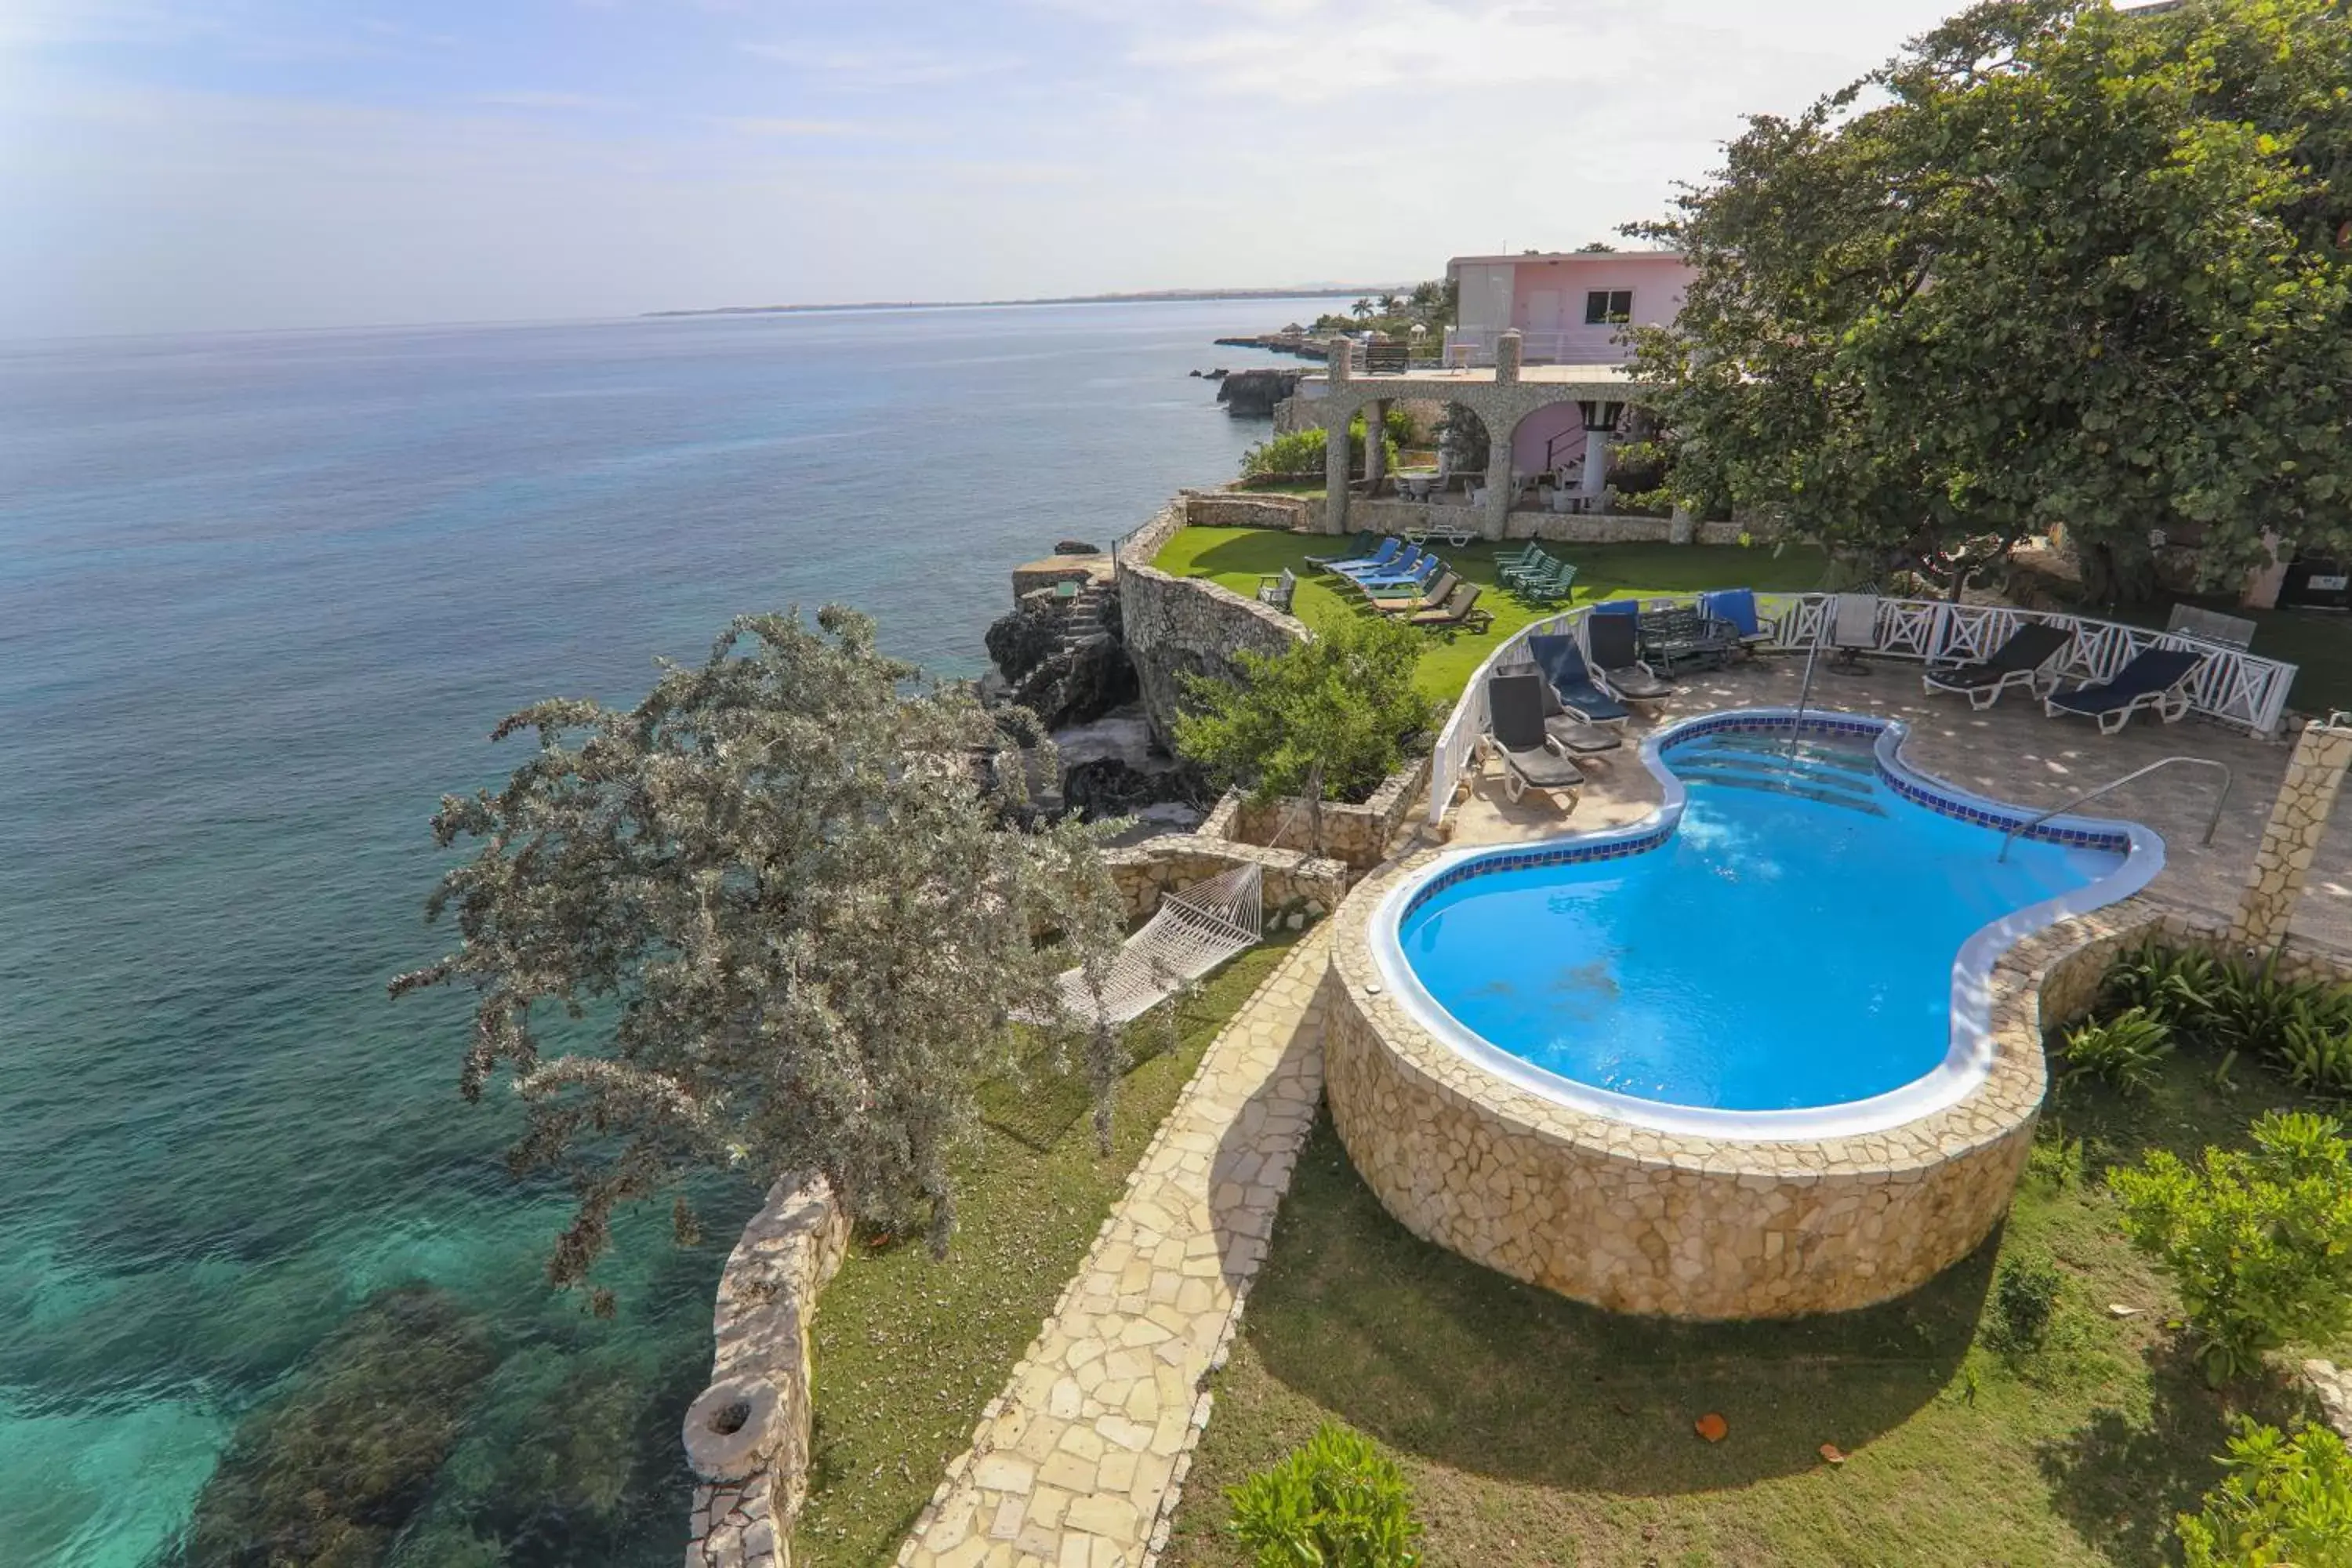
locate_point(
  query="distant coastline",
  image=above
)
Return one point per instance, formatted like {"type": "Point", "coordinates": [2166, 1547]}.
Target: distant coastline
{"type": "Point", "coordinates": [1148, 297]}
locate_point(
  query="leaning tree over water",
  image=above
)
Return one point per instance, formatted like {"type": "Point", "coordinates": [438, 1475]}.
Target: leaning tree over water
{"type": "Point", "coordinates": [795, 894]}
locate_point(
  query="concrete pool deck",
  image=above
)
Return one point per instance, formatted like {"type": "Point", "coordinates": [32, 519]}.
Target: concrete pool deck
{"type": "Point", "coordinates": [2011, 752]}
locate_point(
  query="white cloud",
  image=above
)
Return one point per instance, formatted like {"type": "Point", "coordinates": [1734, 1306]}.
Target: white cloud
{"type": "Point", "coordinates": [866, 68]}
{"type": "Point", "coordinates": [766, 125]}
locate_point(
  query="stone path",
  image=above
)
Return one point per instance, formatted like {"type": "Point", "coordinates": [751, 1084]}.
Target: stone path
{"type": "Point", "coordinates": [1077, 1463]}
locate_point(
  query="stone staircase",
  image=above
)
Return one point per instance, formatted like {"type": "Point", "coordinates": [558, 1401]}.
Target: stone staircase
{"type": "Point", "coordinates": [1082, 620]}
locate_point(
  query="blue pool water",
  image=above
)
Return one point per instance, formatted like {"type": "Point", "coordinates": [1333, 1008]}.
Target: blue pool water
{"type": "Point", "coordinates": [1790, 946]}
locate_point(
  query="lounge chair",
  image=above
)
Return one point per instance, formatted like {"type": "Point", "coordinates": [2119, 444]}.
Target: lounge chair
{"type": "Point", "coordinates": [1276, 590]}
{"type": "Point", "coordinates": [1678, 636]}
{"type": "Point", "coordinates": [1360, 551]}
{"type": "Point", "coordinates": [2018, 661]}
{"type": "Point", "coordinates": [1610, 641]}
{"type": "Point", "coordinates": [1556, 582]}
{"type": "Point", "coordinates": [1854, 631]}
{"type": "Point", "coordinates": [1562, 664]}
{"type": "Point", "coordinates": [1433, 599]}
{"type": "Point", "coordinates": [1532, 563]}
{"type": "Point", "coordinates": [2153, 679]}
{"type": "Point", "coordinates": [1390, 550]}
{"type": "Point", "coordinates": [1736, 607]}
{"type": "Point", "coordinates": [1403, 584]}
{"type": "Point", "coordinates": [1460, 609]}
{"type": "Point", "coordinates": [1515, 731]}
{"type": "Point", "coordinates": [1403, 565]}
{"type": "Point", "coordinates": [1508, 560]}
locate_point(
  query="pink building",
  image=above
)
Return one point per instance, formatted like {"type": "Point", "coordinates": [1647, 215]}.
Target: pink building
{"type": "Point", "coordinates": [1568, 308]}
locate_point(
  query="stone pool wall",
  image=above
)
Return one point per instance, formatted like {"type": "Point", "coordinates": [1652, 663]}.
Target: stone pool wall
{"type": "Point", "coordinates": [1637, 1220]}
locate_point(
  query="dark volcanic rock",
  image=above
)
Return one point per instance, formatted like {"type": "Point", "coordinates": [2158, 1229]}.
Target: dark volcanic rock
{"type": "Point", "coordinates": [1112, 786]}
{"type": "Point", "coordinates": [1076, 685]}
{"type": "Point", "coordinates": [1254, 393]}
{"type": "Point", "coordinates": [1077, 547]}
{"type": "Point", "coordinates": [1024, 637]}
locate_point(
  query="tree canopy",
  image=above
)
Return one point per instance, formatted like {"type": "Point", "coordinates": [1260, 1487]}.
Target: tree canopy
{"type": "Point", "coordinates": [2053, 264]}
{"type": "Point", "coordinates": [1327, 717]}
{"type": "Point", "coordinates": [794, 894]}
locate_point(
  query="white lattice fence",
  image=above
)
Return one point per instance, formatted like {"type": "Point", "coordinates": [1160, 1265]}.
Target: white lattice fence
{"type": "Point", "coordinates": [1468, 720]}
{"type": "Point", "coordinates": [2231, 684]}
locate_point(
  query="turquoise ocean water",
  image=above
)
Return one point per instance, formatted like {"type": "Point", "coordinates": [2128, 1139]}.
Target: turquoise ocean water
{"type": "Point", "coordinates": [261, 599]}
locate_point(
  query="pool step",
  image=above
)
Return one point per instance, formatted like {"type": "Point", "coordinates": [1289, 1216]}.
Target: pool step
{"type": "Point", "coordinates": [1829, 789]}
{"type": "Point", "coordinates": [1775, 765]}
{"type": "Point", "coordinates": [1843, 758]}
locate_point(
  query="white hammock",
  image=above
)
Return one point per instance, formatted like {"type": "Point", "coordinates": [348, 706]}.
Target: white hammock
{"type": "Point", "coordinates": [1191, 934]}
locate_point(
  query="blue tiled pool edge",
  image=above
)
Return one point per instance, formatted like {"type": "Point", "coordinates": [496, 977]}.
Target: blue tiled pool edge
{"type": "Point", "coordinates": [1970, 1055]}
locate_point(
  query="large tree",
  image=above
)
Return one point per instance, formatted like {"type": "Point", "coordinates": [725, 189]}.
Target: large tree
{"type": "Point", "coordinates": [792, 900]}
{"type": "Point", "coordinates": [2053, 264]}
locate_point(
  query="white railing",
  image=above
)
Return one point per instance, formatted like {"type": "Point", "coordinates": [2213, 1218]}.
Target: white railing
{"type": "Point", "coordinates": [1572, 345]}
{"type": "Point", "coordinates": [2231, 684]}
{"type": "Point", "coordinates": [1468, 721]}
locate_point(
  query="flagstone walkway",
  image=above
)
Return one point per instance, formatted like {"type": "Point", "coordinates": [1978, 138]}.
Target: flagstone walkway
{"type": "Point", "coordinates": [1079, 1462]}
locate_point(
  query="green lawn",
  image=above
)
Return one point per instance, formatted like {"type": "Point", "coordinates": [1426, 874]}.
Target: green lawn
{"type": "Point", "coordinates": [1236, 557]}
{"type": "Point", "coordinates": [908, 1351]}
{"type": "Point", "coordinates": [1534, 1430]}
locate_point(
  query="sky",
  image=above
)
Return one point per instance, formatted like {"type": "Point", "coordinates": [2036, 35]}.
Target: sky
{"type": "Point", "coordinates": [171, 166]}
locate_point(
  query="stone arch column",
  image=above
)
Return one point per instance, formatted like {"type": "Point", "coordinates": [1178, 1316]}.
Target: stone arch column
{"type": "Point", "coordinates": [2297, 823]}
{"type": "Point", "coordinates": [1337, 408]}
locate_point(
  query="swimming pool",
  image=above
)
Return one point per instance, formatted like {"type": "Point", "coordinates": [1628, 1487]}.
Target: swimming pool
{"type": "Point", "coordinates": [1786, 949]}
{"type": "Point", "coordinates": [1775, 1048]}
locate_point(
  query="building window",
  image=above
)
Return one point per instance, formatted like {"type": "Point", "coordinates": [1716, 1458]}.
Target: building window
{"type": "Point", "coordinates": [1603, 306]}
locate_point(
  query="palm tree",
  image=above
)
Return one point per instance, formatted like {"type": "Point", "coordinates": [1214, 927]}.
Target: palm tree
{"type": "Point", "coordinates": [1361, 309]}
{"type": "Point", "coordinates": [1390, 304]}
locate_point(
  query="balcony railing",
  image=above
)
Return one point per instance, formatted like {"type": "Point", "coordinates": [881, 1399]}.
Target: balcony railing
{"type": "Point", "coordinates": [1470, 347]}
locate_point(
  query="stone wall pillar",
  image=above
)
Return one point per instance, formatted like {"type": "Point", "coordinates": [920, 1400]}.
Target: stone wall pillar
{"type": "Point", "coordinates": [1376, 449]}
{"type": "Point", "coordinates": [1340, 363]}
{"type": "Point", "coordinates": [2298, 819]}
{"type": "Point", "coordinates": [1681, 528]}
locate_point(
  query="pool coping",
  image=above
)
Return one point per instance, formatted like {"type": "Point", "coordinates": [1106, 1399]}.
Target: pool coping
{"type": "Point", "coordinates": [1972, 1058]}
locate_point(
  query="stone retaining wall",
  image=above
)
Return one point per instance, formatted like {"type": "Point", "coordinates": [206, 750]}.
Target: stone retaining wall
{"type": "Point", "coordinates": [1224, 508]}
{"type": "Point", "coordinates": [747, 1436]}
{"type": "Point", "coordinates": [1386, 516]}
{"type": "Point", "coordinates": [1638, 1220]}
{"type": "Point", "coordinates": [1173, 862]}
{"type": "Point", "coordinates": [1176, 626]}
{"type": "Point", "coordinates": [1358, 835]}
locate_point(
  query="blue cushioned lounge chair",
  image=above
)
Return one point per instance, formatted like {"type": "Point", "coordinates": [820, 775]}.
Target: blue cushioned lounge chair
{"type": "Point", "coordinates": [1562, 663]}
{"type": "Point", "coordinates": [1401, 565]}
{"type": "Point", "coordinates": [1736, 607]}
{"type": "Point", "coordinates": [1372, 563]}
{"type": "Point", "coordinates": [1360, 551]}
{"type": "Point", "coordinates": [2153, 679]}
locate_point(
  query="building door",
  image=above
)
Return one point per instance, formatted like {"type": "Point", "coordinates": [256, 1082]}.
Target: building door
{"type": "Point", "coordinates": [1543, 311]}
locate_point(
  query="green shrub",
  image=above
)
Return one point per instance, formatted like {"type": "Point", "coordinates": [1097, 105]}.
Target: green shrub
{"type": "Point", "coordinates": [2126, 1051]}
{"type": "Point", "coordinates": [1299, 453]}
{"type": "Point", "coordinates": [1338, 1502]}
{"type": "Point", "coordinates": [2179, 985]}
{"type": "Point", "coordinates": [2025, 1298]}
{"type": "Point", "coordinates": [2284, 1501]}
{"type": "Point", "coordinates": [2258, 1242]}
{"type": "Point", "coordinates": [1327, 717]}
